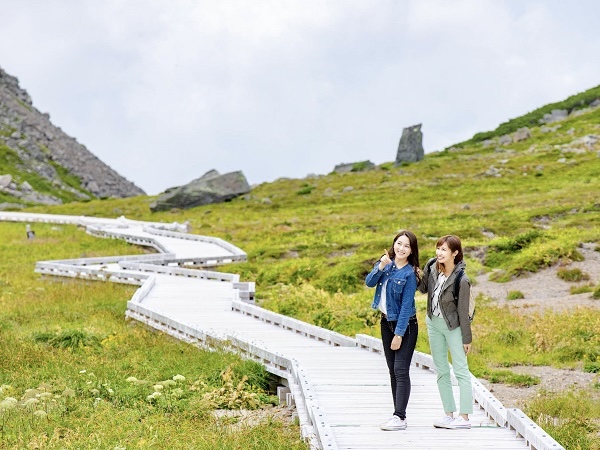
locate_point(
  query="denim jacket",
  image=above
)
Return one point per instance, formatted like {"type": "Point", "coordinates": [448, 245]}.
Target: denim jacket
{"type": "Point", "coordinates": [400, 293]}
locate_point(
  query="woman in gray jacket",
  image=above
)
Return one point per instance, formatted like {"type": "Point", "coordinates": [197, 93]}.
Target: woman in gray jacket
{"type": "Point", "coordinates": [449, 328]}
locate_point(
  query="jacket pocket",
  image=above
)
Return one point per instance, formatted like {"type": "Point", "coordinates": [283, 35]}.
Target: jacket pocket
{"type": "Point", "coordinates": [397, 286]}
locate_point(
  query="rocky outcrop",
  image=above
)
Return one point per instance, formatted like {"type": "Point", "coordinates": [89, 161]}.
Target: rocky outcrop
{"type": "Point", "coordinates": [353, 167]}
{"type": "Point", "coordinates": [554, 116]}
{"type": "Point", "coordinates": [410, 148]}
{"type": "Point", "coordinates": [35, 146]}
{"type": "Point", "coordinates": [211, 187]}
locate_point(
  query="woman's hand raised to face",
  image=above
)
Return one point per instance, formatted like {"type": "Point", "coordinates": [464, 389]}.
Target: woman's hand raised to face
{"type": "Point", "coordinates": [384, 260]}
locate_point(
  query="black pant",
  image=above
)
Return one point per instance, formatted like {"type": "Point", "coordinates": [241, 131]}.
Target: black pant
{"type": "Point", "coordinates": [398, 362]}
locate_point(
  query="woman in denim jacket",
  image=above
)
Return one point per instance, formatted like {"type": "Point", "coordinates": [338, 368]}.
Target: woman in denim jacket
{"type": "Point", "coordinates": [394, 277]}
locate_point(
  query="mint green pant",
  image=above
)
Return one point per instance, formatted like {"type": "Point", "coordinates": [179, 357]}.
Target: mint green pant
{"type": "Point", "coordinates": [441, 339]}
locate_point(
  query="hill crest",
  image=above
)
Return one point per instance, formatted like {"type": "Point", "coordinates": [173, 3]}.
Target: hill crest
{"type": "Point", "coordinates": [40, 163]}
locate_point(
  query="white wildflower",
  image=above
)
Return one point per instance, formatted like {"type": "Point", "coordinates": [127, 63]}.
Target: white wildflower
{"type": "Point", "coordinates": [68, 392]}
{"type": "Point", "coordinates": [30, 402]}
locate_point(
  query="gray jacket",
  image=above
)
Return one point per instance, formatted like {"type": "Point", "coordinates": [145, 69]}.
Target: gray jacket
{"type": "Point", "coordinates": [454, 315]}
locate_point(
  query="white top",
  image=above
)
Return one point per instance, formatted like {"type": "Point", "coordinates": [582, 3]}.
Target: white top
{"type": "Point", "coordinates": [383, 299]}
{"type": "Point", "coordinates": [435, 300]}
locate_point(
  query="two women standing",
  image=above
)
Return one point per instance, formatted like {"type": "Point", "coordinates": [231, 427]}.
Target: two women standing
{"type": "Point", "coordinates": [396, 276]}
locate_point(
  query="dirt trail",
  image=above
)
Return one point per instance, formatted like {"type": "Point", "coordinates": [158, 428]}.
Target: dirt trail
{"type": "Point", "coordinates": [543, 290]}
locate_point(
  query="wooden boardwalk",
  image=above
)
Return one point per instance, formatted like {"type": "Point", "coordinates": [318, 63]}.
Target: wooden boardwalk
{"type": "Point", "coordinates": [338, 384]}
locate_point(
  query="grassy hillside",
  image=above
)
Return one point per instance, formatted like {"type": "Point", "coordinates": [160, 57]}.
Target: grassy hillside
{"type": "Point", "coordinates": [518, 208]}
{"type": "Point", "coordinates": [10, 163]}
{"type": "Point", "coordinates": [75, 374]}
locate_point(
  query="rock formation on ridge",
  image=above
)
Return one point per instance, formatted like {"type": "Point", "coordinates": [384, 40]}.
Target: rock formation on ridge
{"type": "Point", "coordinates": [40, 154]}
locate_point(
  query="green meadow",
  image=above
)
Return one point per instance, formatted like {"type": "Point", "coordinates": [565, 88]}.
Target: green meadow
{"type": "Point", "coordinates": [518, 208]}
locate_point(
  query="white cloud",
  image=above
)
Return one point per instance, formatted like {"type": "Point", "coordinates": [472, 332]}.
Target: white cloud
{"type": "Point", "coordinates": [165, 91]}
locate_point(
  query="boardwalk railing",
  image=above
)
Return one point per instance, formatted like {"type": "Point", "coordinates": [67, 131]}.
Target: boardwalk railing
{"type": "Point", "coordinates": [144, 270]}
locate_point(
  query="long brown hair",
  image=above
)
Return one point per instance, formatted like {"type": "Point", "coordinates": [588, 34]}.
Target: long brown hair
{"type": "Point", "coordinates": [454, 244]}
{"type": "Point", "coordinates": [413, 258]}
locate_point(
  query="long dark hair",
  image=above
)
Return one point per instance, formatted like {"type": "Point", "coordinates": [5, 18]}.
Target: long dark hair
{"type": "Point", "coordinates": [413, 258]}
{"type": "Point", "coordinates": [454, 244]}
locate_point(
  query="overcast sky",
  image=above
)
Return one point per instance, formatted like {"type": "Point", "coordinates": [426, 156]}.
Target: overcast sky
{"type": "Point", "coordinates": [166, 90]}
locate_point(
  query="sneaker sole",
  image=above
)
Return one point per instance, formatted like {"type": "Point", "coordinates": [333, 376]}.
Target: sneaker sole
{"type": "Point", "coordinates": [392, 428]}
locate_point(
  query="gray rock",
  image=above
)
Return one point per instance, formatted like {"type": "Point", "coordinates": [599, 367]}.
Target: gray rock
{"type": "Point", "coordinates": [505, 139]}
{"type": "Point", "coordinates": [43, 199]}
{"type": "Point", "coordinates": [5, 181]}
{"type": "Point", "coordinates": [589, 141]}
{"type": "Point", "coordinates": [353, 167]}
{"type": "Point", "coordinates": [11, 206]}
{"type": "Point", "coordinates": [493, 172]}
{"type": "Point", "coordinates": [209, 188]}
{"type": "Point", "coordinates": [521, 134]}
{"type": "Point", "coordinates": [545, 129]}
{"type": "Point", "coordinates": [410, 147]}
{"type": "Point", "coordinates": [554, 115]}
{"type": "Point", "coordinates": [26, 187]}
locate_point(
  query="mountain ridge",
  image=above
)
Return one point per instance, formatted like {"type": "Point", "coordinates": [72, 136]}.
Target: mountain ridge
{"type": "Point", "coordinates": [41, 164]}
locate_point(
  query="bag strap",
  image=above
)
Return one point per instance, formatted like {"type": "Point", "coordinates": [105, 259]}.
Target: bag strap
{"type": "Point", "coordinates": [456, 287]}
{"type": "Point", "coordinates": [430, 263]}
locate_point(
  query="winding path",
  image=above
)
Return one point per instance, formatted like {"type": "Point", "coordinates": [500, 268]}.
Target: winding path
{"type": "Point", "coordinates": [338, 384]}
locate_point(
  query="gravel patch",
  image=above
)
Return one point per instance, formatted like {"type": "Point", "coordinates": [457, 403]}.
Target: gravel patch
{"type": "Point", "coordinates": [543, 290]}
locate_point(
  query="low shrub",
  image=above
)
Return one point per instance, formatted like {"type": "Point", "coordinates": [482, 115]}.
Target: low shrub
{"type": "Point", "coordinates": [510, 378]}
{"type": "Point", "coordinates": [71, 339]}
{"type": "Point", "coordinates": [305, 190]}
{"type": "Point", "coordinates": [516, 243]}
{"type": "Point", "coordinates": [511, 337]}
{"type": "Point", "coordinates": [514, 295]}
{"type": "Point", "coordinates": [572, 274]}
{"type": "Point", "coordinates": [581, 289]}
{"type": "Point", "coordinates": [591, 366]}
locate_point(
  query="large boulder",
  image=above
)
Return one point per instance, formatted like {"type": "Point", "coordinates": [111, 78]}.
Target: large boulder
{"type": "Point", "coordinates": [353, 167]}
{"type": "Point", "coordinates": [410, 148]}
{"type": "Point", "coordinates": [211, 187]}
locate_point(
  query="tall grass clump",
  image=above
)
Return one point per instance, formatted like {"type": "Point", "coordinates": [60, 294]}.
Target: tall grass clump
{"type": "Point", "coordinates": [570, 417]}
{"type": "Point", "coordinates": [572, 275]}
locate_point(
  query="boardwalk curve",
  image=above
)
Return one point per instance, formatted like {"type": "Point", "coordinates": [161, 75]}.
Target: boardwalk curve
{"type": "Point", "coordinates": [338, 384]}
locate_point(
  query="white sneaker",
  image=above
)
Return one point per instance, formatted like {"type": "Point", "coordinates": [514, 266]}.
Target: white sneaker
{"type": "Point", "coordinates": [394, 424]}
{"type": "Point", "coordinates": [459, 423]}
{"type": "Point", "coordinates": [443, 422]}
